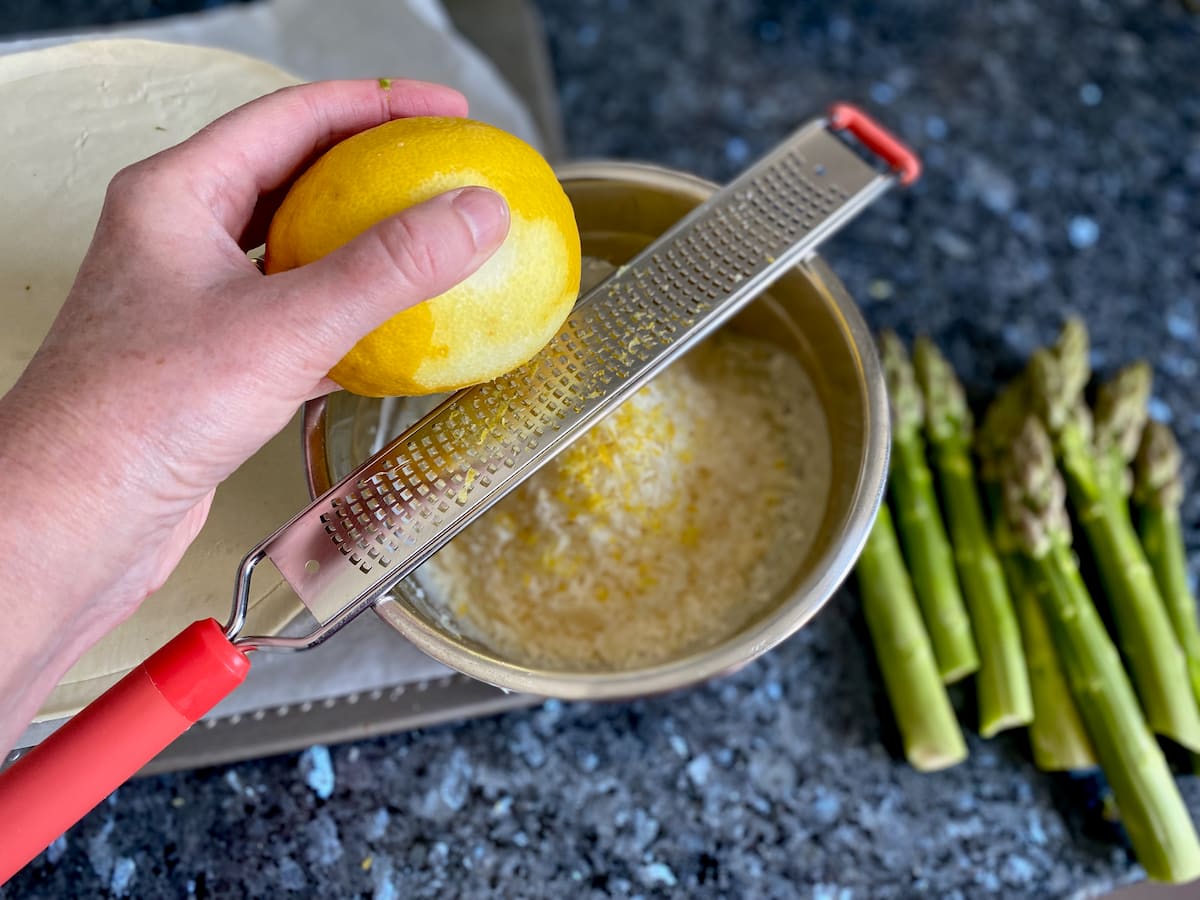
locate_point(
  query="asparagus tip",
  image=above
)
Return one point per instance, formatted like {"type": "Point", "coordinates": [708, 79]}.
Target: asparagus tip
{"type": "Point", "coordinates": [1059, 374]}
{"type": "Point", "coordinates": [1121, 411]}
{"type": "Point", "coordinates": [1000, 425]}
{"type": "Point", "coordinates": [908, 409]}
{"type": "Point", "coordinates": [947, 415]}
{"type": "Point", "coordinates": [1073, 342]}
{"type": "Point", "coordinates": [1158, 468]}
{"type": "Point", "coordinates": [1034, 492]}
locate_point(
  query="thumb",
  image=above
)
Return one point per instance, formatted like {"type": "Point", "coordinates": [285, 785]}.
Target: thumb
{"type": "Point", "coordinates": [412, 256]}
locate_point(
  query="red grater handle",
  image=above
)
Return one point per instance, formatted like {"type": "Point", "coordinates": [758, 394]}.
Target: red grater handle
{"type": "Point", "coordinates": [58, 782]}
{"type": "Point", "coordinates": [877, 139]}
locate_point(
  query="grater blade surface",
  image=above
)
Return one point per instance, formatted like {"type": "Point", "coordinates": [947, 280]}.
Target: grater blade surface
{"type": "Point", "coordinates": [399, 508]}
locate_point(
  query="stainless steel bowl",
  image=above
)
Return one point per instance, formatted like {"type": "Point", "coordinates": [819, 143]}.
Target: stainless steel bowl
{"type": "Point", "coordinates": [620, 208]}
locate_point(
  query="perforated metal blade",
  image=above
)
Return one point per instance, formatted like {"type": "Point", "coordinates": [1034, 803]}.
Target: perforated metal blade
{"type": "Point", "coordinates": [399, 508]}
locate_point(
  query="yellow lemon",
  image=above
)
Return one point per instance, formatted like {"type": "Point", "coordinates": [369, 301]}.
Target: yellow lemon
{"type": "Point", "coordinates": [492, 322]}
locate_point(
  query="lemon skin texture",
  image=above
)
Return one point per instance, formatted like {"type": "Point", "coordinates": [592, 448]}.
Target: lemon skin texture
{"type": "Point", "coordinates": [495, 320]}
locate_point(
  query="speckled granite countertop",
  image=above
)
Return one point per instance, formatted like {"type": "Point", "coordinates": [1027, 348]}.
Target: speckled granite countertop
{"type": "Point", "coordinates": [1062, 145]}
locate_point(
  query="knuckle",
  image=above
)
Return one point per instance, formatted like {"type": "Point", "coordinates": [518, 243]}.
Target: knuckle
{"type": "Point", "coordinates": [133, 188]}
{"type": "Point", "coordinates": [126, 182]}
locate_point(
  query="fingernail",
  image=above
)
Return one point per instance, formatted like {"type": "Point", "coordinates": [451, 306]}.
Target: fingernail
{"type": "Point", "coordinates": [485, 214]}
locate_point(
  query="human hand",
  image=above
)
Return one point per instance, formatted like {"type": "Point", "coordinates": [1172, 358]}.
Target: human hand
{"type": "Point", "coordinates": [173, 359]}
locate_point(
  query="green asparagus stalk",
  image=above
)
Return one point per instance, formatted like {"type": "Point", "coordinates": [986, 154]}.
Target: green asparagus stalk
{"type": "Point", "coordinates": [931, 736]}
{"type": "Point", "coordinates": [1002, 682]}
{"type": "Point", "coordinates": [1158, 493]}
{"type": "Point", "coordinates": [919, 522]}
{"type": "Point", "coordinates": [1094, 458]}
{"type": "Point", "coordinates": [1056, 735]}
{"type": "Point", "coordinates": [1152, 811]}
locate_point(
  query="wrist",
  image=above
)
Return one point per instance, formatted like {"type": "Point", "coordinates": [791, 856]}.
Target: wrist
{"type": "Point", "coordinates": [62, 492]}
{"type": "Point", "coordinates": [57, 546]}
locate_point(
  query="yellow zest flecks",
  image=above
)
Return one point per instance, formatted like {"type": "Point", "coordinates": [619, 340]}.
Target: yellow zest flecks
{"type": "Point", "coordinates": [468, 479]}
{"type": "Point", "coordinates": [670, 524]}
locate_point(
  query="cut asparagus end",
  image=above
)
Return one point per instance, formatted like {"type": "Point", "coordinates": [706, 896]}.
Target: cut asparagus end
{"type": "Point", "coordinates": [991, 726]}
{"type": "Point", "coordinates": [963, 665]}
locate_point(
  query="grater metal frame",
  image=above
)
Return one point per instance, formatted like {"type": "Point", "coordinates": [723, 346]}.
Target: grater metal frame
{"type": "Point", "coordinates": [380, 523]}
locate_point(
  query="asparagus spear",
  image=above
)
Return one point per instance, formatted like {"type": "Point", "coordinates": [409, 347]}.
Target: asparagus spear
{"type": "Point", "coordinates": [1152, 811]}
{"type": "Point", "coordinates": [1158, 492]}
{"type": "Point", "coordinates": [930, 733]}
{"type": "Point", "coordinates": [1002, 683]}
{"type": "Point", "coordinates": [1056, 735]}
{"type": "Point", "coordinates": [919, 521]}
{"type": "Point", "coordinates": [1094, 461]}
{"type": "Point", "coordinates": [1121, 416]}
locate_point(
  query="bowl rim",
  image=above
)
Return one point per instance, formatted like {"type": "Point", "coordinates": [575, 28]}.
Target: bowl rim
{"type": "Point", "coordinates": [788, 617]}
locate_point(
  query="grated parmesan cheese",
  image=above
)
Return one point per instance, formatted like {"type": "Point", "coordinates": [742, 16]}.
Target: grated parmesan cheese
{"type": "Point", "coordinates": [666, 528]}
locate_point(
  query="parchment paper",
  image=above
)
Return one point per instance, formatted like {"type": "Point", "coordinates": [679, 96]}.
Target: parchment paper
{"type": "Point", "coordinates": [311, 40]}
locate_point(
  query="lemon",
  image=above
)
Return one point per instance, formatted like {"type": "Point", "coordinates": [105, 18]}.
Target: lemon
{"type": "Point", "coordinates": [495, 320]}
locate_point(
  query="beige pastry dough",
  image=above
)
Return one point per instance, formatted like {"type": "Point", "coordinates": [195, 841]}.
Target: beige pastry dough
{"type": "Point", "coordinates": [71, 116]}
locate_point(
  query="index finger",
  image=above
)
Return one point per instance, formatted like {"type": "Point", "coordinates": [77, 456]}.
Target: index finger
{"type": "Point", "coordinates": [261, 145]}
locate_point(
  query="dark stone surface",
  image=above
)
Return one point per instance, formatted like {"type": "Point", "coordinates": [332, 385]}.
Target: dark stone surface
{"type": "Point", "coordinates": [1062, 145]}
{"type": "Point", "coordinates": [21, 17]}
